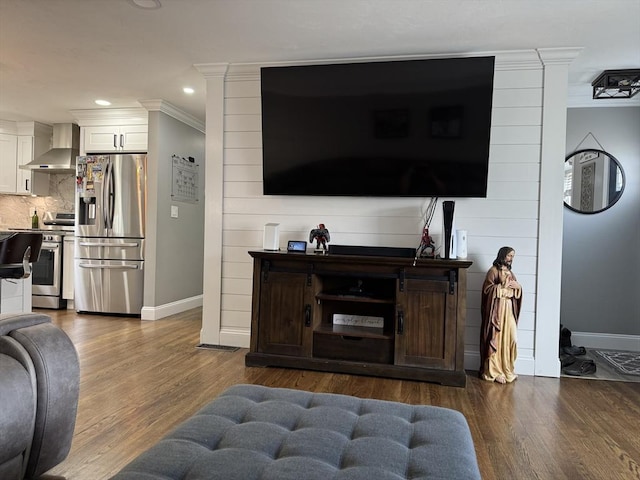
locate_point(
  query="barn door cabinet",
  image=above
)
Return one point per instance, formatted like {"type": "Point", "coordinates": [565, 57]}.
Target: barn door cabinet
{"type": "Point", "coordinates": [379, 316]}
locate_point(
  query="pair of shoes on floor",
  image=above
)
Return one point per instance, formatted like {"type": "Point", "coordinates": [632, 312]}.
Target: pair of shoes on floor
{"type": "Point", "coordinates": [573, 350]}
{"type": "Point", "coordinates": [578, 369]}
{"type": "Point", "coordinates": [565, 337]}
{"type": "Point", "coordinates": [566, 360]}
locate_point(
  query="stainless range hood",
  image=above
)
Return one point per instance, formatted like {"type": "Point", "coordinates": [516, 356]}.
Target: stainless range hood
{"type": "Point", "coordinates": [62, 157]}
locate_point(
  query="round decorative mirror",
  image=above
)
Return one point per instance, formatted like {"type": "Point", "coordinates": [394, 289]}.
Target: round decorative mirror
{"type": "Point", "coordinates": [593, 181]}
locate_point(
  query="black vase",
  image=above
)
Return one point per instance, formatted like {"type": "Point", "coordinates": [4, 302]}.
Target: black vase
{"type": "Point", "coordinates": [447, 207]}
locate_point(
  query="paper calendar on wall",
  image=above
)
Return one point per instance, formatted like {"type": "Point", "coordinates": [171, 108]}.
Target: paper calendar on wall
{"type": "Point", "coordinates": [184, 180]}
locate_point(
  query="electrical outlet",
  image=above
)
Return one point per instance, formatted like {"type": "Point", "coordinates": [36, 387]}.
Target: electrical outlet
{"type": "Point", "coordinates": [174, 211]}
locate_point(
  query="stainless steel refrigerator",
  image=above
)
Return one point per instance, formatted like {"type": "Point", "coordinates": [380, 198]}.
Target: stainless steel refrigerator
{"type": "Point", "coordinates": [109, 233]}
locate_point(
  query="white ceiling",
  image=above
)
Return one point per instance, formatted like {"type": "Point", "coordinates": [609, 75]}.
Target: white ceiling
{"type": "Point", "coordinates": [61, 55]}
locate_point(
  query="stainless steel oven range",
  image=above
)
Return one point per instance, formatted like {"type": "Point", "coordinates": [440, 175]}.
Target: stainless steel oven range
{"type": "Point", "coordinates": [46, 273]}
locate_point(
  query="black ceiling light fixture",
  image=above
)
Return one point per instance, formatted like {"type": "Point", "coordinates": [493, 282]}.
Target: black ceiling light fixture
{"type": "Point", "coordinates": [617, 84]}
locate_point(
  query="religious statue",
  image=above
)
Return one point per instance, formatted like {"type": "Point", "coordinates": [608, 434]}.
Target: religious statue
{"type": "Point", "coordinates": [500, 309]}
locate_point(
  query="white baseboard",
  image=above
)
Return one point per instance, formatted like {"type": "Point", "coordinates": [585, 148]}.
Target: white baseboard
{"type": "Point", "coordinates": [235, 337]}
{"type": "Point", "coordinates": [606, 341]}
{"type": "Point", "coordinates": [179, 306]}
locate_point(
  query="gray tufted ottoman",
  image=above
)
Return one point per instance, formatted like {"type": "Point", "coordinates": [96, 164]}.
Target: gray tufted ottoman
{"type": "Point", "coordinates": [254, 432]}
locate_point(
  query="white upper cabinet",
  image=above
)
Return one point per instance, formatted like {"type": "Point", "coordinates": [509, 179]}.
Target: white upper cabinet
{"type": "Point", "coordinates": [109, 130]}
{"type": "Point", "coordinates": [8, 165]}
{"type": "Point", "coordinates": [20, 143]}
{"type": "Point", "coordinates": [122, 138]}
{"type": "Point", "coordinates": [28, 181]}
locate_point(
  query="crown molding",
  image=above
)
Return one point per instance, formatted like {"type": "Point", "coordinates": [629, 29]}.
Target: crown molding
{"type": "Point", "coordinates": [29, 128]}
{"type": "Point", "coordinates": [111, 116]}
{"type": "Point", "coordinates": [244, 71]}
{"type": "Point", "coordinates": [558, 56]}
{"type": "Point", "coordinates": [212, 70]}
{"type": "Point", "coordinates": [165, 107]}
{"type": "Point", "coordinates": [505, 60]}
{"type": "Point", "coordinates": [517, 60]}
{"type": "Point", "coordinates": [9, 127]}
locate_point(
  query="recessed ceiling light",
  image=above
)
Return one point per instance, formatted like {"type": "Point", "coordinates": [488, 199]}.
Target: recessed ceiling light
{"type": "Point", "coordinates": [146, 4]}
{"type": "Point", "coordinates": [103, 103]}
{"type": "Point", "coordinates": [188, 90]}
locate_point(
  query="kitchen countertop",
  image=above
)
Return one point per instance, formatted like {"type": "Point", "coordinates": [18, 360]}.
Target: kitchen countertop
{"type": "Point", "coordinates": [50, 231]}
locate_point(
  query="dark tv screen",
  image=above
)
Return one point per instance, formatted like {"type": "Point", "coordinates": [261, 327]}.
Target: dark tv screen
{"type": "Point", "coordinates": [416, 128]}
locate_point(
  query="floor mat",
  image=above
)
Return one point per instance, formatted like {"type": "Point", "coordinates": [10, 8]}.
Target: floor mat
{"type": "Point", "coordinates": [605, 370]}
{"type": "Point", "coordinates": [625, 362]}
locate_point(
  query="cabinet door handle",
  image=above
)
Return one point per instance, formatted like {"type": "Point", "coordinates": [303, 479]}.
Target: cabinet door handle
{"type": "Point", "coordinates": [307, 315]}
{"type": "Point", "coordinates": [26, 184]}
{"type": "Point", "coordinates": [400, 322]}
{"type": "Point", "coordinates": [121, 141]}
{"type": "Point", "coordinates": [115, 141]}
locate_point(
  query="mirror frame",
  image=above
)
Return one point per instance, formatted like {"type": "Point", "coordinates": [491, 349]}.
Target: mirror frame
{"type": "Point", "coordinates": [624, 180]}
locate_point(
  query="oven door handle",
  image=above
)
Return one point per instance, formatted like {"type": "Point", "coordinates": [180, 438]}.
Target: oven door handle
{"type": "Point", "coordinates": [46, 246]}
{"type": "Point", "coordinates": [89, 244]}
{"type": "Point", "coordinates": [107, 267]}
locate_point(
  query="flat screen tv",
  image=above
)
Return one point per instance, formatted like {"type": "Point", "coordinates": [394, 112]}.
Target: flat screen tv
{"type": "Point", "coordinates": [415, 128]}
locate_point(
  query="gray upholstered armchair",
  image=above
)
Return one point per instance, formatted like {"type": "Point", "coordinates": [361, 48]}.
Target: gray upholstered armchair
{"type": "Point", "coordinates": [39, 387]}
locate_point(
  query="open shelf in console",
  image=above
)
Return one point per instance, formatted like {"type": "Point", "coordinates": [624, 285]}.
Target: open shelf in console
{"type": "Point", "coordinates": [357, 327]}
{"type": "Point", "coordinates": [345, 297]}
{"type": "Point", "coordinates": [342, 342]}
{"type": "Point", "coordinates": [353, 331]}
{"type": "Point", "coordinates": [358, 289]}
{"type": "Point", "coordinates": [357, 315]}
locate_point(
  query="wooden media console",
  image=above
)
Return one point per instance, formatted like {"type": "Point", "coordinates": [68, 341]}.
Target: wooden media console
{"type": "Point", "coordinates": [360, 314]}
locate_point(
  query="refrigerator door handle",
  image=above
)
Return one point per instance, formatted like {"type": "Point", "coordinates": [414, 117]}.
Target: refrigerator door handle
{"type": "Point", "coordinates": [96, 244]}
{"type": "Point", "coordinates": [109, 267]}
{"type": "Point", "coordinates": [108, 194]}
{"type": "Point", "coordinates": [105, 195]}
{"type": "Point", "coordinates": [112, 194]}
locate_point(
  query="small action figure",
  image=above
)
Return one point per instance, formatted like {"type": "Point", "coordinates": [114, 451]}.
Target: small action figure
{"type": "Point", "coordinates": [321, 237]}
{"type": "Point", "coordinates": [427, 247]}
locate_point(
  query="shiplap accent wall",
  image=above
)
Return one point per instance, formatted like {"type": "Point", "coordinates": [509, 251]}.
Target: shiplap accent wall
{"type": "Point", "coordinates": [508, 216]}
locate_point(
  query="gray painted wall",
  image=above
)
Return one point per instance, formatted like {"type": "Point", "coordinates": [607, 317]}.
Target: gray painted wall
{"type": "Point", "coordinates": [175, 245]}
{"type": "Point", "coordinates": [601, 252]}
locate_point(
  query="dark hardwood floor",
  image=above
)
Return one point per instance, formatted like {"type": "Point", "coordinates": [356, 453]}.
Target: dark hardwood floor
{"type": "Point", "coordinates": [139, 379]}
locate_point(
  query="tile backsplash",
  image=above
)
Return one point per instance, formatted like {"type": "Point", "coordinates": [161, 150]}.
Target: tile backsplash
{"type": "Point", "coordinates": [16, 210]}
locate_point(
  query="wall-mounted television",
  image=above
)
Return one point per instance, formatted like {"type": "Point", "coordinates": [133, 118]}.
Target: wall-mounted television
{"type": "Point", "coordinates": [414, 128]}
